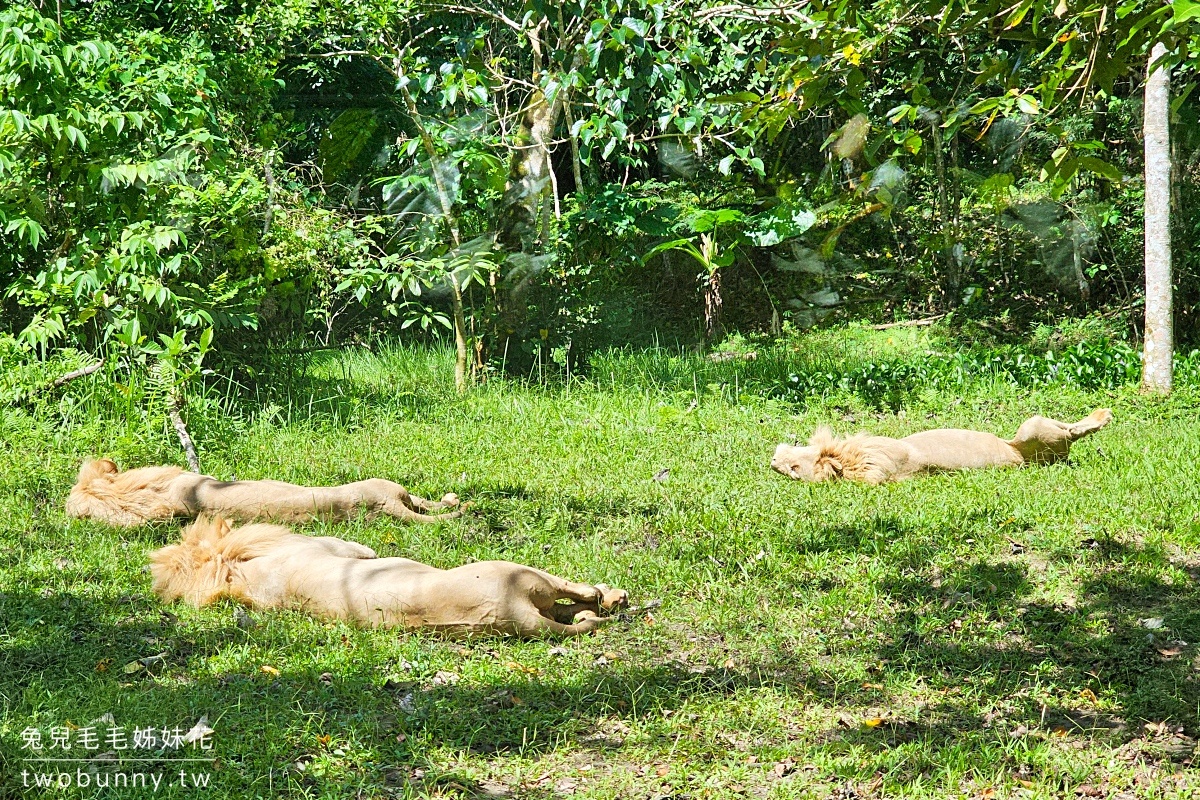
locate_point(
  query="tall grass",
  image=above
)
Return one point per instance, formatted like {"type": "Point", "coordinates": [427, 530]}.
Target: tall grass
{"type": "Point", "coordinates": [1021, 633]}
{"type": "Point", "coordinates": [878, 371]}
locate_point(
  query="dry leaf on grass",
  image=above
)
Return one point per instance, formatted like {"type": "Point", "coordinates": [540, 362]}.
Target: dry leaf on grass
{"type": "Point", "coordinates": [517, 667]}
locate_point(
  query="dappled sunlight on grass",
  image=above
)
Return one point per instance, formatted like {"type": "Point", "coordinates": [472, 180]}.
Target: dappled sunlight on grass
{"type": "Point", "coordinates": [942, 636]}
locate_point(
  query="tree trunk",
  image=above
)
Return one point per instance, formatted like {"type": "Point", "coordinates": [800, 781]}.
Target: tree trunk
{"type": "Point", "coordinates": [456, 301]}
{"type": "Point", "coordinates": [1159, 344]}
{"type": "Point", "coordinates": [460, 336]}
{"type": "Point", "coordinates": [713, 304]}
{"type": "Point", "coordinates": [528, 175]}
{"type": "Point", "coordinates": [949, 279]}
{"type": "Point", "coordinates": [576, 168]}
{"type": "Point", "coordinates": [530, 171]}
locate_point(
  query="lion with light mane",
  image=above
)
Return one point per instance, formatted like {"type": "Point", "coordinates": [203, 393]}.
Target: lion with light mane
{"type": "Point", "coordinates": [269, 567]}
{"type": "Point", "coordinates": [878, 459]}
{"type": "Point", "coordinates": [137, 496]}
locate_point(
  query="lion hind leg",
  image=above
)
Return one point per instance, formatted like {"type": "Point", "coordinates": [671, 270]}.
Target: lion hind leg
{"type": "Point", "coordinates": [579, 592]}
{"type": "Point", "coordinates": [1091, 423]}
{"type": "Point", "coordinates": [599, 594]}
{"type": "Point", "coordinates": [547, 591]}
{"type": "Point", "coordinates": [565, 612]}
{"type": "Point", "coordinates": [1042, 440]}
{"type": "Point", "coordinates": [541, 626]}
{"type": "Point", "coordinates": [603, 595]}
{"type": "Point", "coordinates": [397, 509]}
{"type": "Point", "coordinates": [394, 500]}
{"type": "Point", "coordinates": [412, 516]}
{"type": "Point", "coordinates": [449, 500]}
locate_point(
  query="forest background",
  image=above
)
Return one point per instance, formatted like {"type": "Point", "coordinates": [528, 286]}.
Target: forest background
{"type": "Point", "coordinates": [198, 186]}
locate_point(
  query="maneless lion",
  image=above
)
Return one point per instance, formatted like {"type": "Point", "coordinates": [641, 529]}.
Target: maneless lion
{"type": "Point", "coordinates": [877, 459]}
{"type": "Point", "coordinates": [268, 566]}
{"type": "Point", "coordinates": [137, 496]}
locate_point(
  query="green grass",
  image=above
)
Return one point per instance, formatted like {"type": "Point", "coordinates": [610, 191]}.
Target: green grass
{"type": "Point", "coordinates": [973, 635]}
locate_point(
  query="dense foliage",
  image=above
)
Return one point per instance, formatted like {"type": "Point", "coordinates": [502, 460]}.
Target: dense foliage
{"type": "Point", "coordinates": [543, 178]}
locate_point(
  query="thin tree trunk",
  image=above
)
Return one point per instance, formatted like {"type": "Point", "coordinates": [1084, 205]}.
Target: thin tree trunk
{"type": "Point", "coordinates": [949, 282]}
{"type": "Point", "coordinates": [957, 279]}
{"type": "Point", "coordinates": [185, 438]}
{"type": "Point", "coordinates": [713, 304]}
{"type": "Point", "coordinates": [460, 337]}
{"type": "Point", "coordinates": [570, 118]}
{"type": "Point", "coordinates": [459, 317]}
{"type": "Point", "coordinates": [576, 168]}
{"type": "Point", "coordinates": [1159, 344]}
{"type": "Point", "coordinates": [270, 180]}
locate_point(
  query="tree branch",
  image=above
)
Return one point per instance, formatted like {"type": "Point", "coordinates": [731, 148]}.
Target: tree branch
{"type": "Point", "coordinates": [185, 439]}
{"type": "Point", "coordinates": [70, 376]}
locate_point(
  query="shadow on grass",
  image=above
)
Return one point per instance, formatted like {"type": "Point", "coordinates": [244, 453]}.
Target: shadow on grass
{"type": "Point", "coordinates": [942, 631]}
{"type": "Point", "coordinates": [48, 637]}
{"type": "Point", "coordinates": [536, 508]}
{"type": "Point", "coordinates": [1114, 659]}
{"type": "Point", "coordinates": [275, 726]}
{"type": "Point", "coordinates": [312, 391]}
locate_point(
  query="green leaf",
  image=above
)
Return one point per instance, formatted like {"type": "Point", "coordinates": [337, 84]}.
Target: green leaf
{"type": "Point", "coordinates": [1018, 14]}
{"type": "Point", "coordinates": [737, 98]}
{"type": "Point", "coordinates": [1100, 167]}
{"type": "Point", "coordinates": [1184, 11]}
{"type": "Point", "coordinates": [984, 106]}
{"type": "Point", "coordinates": [682, 245]}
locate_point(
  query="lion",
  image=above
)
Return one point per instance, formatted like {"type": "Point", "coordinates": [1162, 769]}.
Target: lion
{"type": "Point", "coordinates": [137, 496]}
{"type": "Point", "coordinates": [268, 567]}
{"type": "Point", "coordinates": [878, 459]}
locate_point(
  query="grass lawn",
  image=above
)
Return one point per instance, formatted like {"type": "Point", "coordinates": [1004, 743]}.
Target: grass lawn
{"type": "Point", "coordinates": [1025, 633]}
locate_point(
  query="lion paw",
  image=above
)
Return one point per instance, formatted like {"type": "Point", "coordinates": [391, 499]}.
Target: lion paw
{"type": "Point", "coordinates": [612, 598]}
